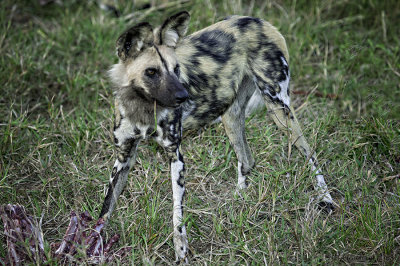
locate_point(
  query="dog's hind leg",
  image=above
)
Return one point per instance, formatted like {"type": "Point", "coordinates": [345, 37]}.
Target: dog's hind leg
{"type": "Point", "coordinates": [234, 123]}
{"type": "Point", "coordinates": [277, 101]}
{"type": "Point", "coordinates": [286, 120]}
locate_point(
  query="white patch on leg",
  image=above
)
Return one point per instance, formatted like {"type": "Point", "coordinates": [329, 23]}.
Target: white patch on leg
{"type": "Point", "coordinates": [321, 186]}
{"type": "Point", "coordinates": [164, 142]}
{"type": "Point", "coordinates": [241, 179]}
{"type": "Point", "coordinates": [119, 167]}
{"type": "Point", "coordinates": [284, 85]}
{"type": "Point", "coordinates": [125, 129]}
{"type": "Point", "coordinates": [283, 94]}
{"type": "Point", "coordinates": [181, 244]}
{"type": "Point", "coordinates": [177, 192]}
{"type": "Point", "coordinates": [180, 237]}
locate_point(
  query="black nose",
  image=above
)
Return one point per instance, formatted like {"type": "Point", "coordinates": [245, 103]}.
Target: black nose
{"type": "Point", "coordinates": [181, 96]}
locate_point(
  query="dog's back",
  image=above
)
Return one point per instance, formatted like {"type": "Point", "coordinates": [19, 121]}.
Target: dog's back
{"type": "Point", "coordinates": [219, 60]}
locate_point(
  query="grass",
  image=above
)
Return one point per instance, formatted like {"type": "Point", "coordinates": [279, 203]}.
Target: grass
{"type": "Point", "coordinates": [56, 148]}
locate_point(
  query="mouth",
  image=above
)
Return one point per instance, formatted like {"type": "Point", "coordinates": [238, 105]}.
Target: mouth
{"type": "Point", "coordinates": [181, 97]}
{"type": "Point", "coordinates": [175, 102]}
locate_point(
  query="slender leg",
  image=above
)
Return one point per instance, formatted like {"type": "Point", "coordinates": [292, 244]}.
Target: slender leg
{"type": "Point", "coordinates": [178, 191]}
{"type": "Point", "coordinates": [234, 128]}
{"type": "Point", "coordinates": [234, 124]}
{"type": "Point", "coordinates": [171, 142]}
{"type": "Point", "coordinates": [285, 119]}
{"type": "Point", "coordinates": [126, 156]}
{"type": "Point", "coordinates": [273, 80]}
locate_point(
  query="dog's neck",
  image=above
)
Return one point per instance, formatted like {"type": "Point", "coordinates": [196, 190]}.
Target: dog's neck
{"type": "Point", "coordinates": [137, 109]}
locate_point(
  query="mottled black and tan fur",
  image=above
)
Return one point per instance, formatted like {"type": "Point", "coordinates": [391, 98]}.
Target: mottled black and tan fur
{"type": "Point", "coordinates": [166, 83]}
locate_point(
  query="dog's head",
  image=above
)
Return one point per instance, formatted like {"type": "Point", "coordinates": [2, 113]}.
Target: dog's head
{"type": "Point", "coordinates": [148, 64]}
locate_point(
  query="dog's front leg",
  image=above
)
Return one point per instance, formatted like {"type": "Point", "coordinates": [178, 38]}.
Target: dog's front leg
{"type": "Point", "coordinates": [178, 191]}
{"type": "Point", "coordinates": [126, 145]}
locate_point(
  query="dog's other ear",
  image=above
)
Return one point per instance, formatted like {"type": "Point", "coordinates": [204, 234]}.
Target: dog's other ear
{"type": "Point", "coordinates": [134, 40]}
{"type": "Point", "coordinates": [173, 28]}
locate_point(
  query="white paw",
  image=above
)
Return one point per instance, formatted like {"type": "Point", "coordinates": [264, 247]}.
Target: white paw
{"type": "Point", "coordinates": [242, 185]}
{"type": "Point", "coordinates": [242, 180]}
{"type": "Point", "coordinates": [181, 245]}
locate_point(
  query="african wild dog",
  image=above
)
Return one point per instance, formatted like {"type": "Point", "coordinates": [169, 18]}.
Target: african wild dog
{"type": "Point", "coordinates": [166, 83]}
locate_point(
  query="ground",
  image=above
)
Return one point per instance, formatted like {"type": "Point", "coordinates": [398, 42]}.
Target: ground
{"type": "Point", "coordinates": [56, 148]}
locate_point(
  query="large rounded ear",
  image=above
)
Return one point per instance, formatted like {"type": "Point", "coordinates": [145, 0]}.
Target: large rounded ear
{"type": "Point", "coordinates": [173, 28]}
{"type": "Point", "coordinates": [134, 40]}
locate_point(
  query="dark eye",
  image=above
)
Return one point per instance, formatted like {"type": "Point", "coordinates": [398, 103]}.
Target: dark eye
{"type": "Point", "coordinates": [177, 70]}
{"type": "Point", "coordinates": [151, 72]}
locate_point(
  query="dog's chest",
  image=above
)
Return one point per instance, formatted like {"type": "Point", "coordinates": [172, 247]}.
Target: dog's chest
{"type": "Point", "coordinates": [166, 131]}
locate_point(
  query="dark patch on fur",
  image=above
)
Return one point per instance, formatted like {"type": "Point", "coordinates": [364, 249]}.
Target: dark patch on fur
{"type": "Point", "coordinates": [245, 171]}
{"type": "Point", "coordinates": [162, 123]}
{"type": "Point", "coordinates": [124, 149]}
{"type": "Point", "coordinates": [174, 126]}
{"type": "Point", "coordinates": [203, 91]}
{"type": "Point", "coordinates": [198, 80]}
{"type": "Point", "coordinates": [278, 101]}
{"type": "Point", "coordinates": [243, 24]}
{"type": "Point", "coordinates": [216, 44]}
{"type": "Point", "coordinates": [149, 131]}
{"type": "Point", "coordinates": [194, 62]}
{"type": "Point", "coordinates": [216, 110]}
{"type": "Point", "coordinates": [162, 59]}
{"type": "Point", "coordinates": [271, 90]}
{"type": "Point", "coordinates": [153, 134]}
{"type": "Point", "coordinates": [181, 181]}
{"type": "Point", "coordinates": [180, 158]}
{"type": "Point", "coordinates": [141, 32]}
{"type": "Point", "coordinates": [277, 69]}
{"type": "Point", "coordinates": [128, 43]}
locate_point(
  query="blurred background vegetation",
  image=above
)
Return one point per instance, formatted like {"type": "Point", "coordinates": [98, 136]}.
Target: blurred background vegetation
{"type": "Point", "coordinates": [56, 148]}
